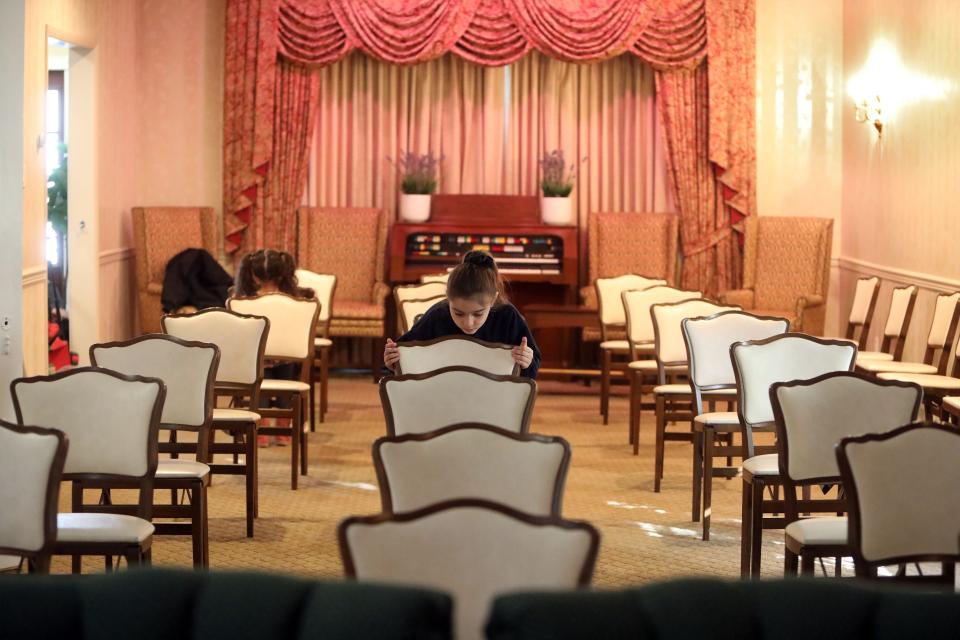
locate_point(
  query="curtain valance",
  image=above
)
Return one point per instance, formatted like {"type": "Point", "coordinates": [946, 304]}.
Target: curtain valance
{"type": "Point", "coordinates": [664, 33]}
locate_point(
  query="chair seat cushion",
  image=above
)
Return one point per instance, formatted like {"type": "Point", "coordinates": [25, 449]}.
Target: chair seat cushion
{"type": "Point", "coordinates": [873, 355]}
{"type": "Point", "coordinates": [672, 389]}
{"type": "Point", "coordinates": [615, 345]}
{"type": "Point", "coordinates": [718, 417]}
{"type": "Point", "coordinates": [953, 403]}
{"type": "Point", "coordinates": [828, 530]}
{"type": "Point", "coordinates": [322, 342]}
{"type": "Point", "coordinates": [9, 563]}
{"type": "Point", "coordinates": [877, 366]}
{"type": "Point", "coordinates": [356, 309]}
{"type": "Point", "coordinates": [651, 365]}
{"type": "Point", "coordinates": [927, 381]}
{"type": "Point", "coordinates": [235, 415]}
{"type": "Point", "coordinates": [284, 385]}
{"type": "Point", "coordinates": [102, 527]}
{"type": "Point", "coordinates": [181, 469]}
{"type": "Point", "coordinates": [763, 465]}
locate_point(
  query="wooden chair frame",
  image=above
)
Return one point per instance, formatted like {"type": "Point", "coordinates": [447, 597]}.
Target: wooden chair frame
{"type": "Point", "coordinates": [707, 436]}
{"type": "Point", "coordinates": [38, 560]}
{"type": "Point", "coordinates": [135, 554]}
{"type": "Point", "coordinates": [404, 325]}
{"type": "Point", "coordinates": [868, 569]}
{"type": "Point", "coordinates": [806, 554]}
{"type": "Point", "coordinates": [388, 409]}
{"type": "Point", "coordinates": [477, 341]}
{"type": "Point", "coordinates": [242, 432]}
{"type": "Point", "coordinates": [297, 399]}
{"type": "Point", "coordinates": [754, 505]}
{"type": "Point", "coordinates": [386, 496]}
{"type": "Point", "coordinates": [196, 511]}
{"type": "Point", "coordinates": [859, 332]}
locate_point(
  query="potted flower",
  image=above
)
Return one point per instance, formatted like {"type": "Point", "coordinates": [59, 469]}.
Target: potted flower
{"type": "Point", "coordinates": [418, 179]}
{"type": "Point", "coordinates": [555, 206]}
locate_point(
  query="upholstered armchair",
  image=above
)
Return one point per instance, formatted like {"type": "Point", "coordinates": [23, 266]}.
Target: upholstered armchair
{"type": "Point", "coordinates": [786, 270]}
{"type": "Point", "coordinates": [621, 243]}
{"type": "Point", "coordinates": [160, 233]}
{"type": "Point", "coordinates": [350, 243]}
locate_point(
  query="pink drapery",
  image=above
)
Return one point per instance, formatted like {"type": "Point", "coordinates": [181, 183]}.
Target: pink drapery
{"type": "Point", "coordinates": [672, 35]}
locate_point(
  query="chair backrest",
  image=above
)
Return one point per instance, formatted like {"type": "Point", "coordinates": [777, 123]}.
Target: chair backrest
{"type": "Point", "coordinates": [416, 292]}
{"type": "Point", "coordinates": [92, 407]}
{"type": "Point", "coordinates": [669, 347]}
{"type": "Point", "coordinates": [708, 341]}
{"type": "Point", "coordinates": [435, 277]}
{"type": "Point", "coordinates": [418, 403]}
{"type": "Point", "coordinates": [757, 364]}
{"type": "Point", "coordinates": [902, 493]}
{"type": "Point", "coordinates": [785, 258]}
{"type": "Point", "coordinates": [411, 310]}
{"type": "Point", "coordinates": [615, 240]}
{"type": "Point", "coordinates": [324, 286]}
{"type": "Point", "coordinates": [523, 471]}
{"type": "Point", "coordinates": [609, 301]}
{"type": "Point", "coordinates": [943, 331]}
{"type": "Point", "coordinates": [812, 416]}
{"type": "Point", "coordinates": [242, 341]}
{"type": "Point", "coordinates": [160, 233]}
{"type": "Point", "coordinates": [31, 464]}
{"type": "Point", "coordinates": [350, 243]}
{"type": "Point", "coordinates": [473, 549]}
{"type": "Point", "coordinates": [188, 369]}
{"type": "Point", "coordinates": [423, 356]}
{"type": "Point", "coordinates": [636, 305]}
{"type": "Point", "coordinates": [861, 310]}
{"type": "Point", "coordinates": [902, 301]}
{"type": "Point", "coordinates": [293, 323]}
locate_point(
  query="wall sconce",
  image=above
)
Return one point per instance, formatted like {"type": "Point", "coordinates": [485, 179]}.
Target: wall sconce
{"type": "Point", "coordinates": [870, 111]}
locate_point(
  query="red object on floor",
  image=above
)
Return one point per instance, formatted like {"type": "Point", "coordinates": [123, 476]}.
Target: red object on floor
{"type": "Point", "coordinates": [59, 351]}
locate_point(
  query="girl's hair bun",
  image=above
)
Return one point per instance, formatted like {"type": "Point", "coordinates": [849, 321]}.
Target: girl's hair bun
{"type": "Point", "coordinates": [479, 259]}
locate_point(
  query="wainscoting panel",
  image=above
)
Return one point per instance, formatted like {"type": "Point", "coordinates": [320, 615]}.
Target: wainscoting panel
{"type": "Point", "coordinates": [117, 295]}
{"type": "Point", "coordinates": [35, 321]}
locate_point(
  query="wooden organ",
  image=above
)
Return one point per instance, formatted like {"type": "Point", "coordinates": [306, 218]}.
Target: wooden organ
{"type": "Point", "coordinates": [540, 263]}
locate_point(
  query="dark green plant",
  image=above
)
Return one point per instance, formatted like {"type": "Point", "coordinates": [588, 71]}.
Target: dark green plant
{"type": "Point", "coordinates": [57, 196]}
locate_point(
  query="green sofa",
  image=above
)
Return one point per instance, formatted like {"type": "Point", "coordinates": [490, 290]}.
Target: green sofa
{"type": "Point", "coordinates": [161, 604]}
{"type": "Point", "coordinates": [825, 609]}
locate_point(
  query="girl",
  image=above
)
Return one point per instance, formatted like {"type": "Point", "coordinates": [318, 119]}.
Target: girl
{"type": "Point", "coordinates": [475, 306]}
{"type": "Point", "coordinates": [268, 271]}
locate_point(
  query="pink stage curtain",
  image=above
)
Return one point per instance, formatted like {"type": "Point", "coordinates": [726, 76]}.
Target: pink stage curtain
{"type": "Point", "coordinates": [369, 110]}
{"type": "Point", "coordinates": [604, 112]}
{"type": "Point", "coordinates": [671, 35]}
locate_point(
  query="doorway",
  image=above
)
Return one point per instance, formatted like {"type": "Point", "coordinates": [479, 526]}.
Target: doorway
{"type": "Point", "coordinates": [72, 243]}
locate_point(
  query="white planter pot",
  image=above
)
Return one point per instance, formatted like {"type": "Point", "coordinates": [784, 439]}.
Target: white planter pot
{"type": "Point", "coordinates": [556, 211]}
{"type": "Point", "coordinates": [414, 207]}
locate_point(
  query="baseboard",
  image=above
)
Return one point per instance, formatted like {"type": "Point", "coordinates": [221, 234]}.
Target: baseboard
{"type": "Point", "coordinates": [899, 276]}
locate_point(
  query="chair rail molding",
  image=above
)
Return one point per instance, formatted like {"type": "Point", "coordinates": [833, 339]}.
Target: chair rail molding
{"type": "Point", "coordinates": [34, 276]}
{"type": "Point", "coordinates": [120, 254]}
{"type": "Point", "coordinates": [900, 276]}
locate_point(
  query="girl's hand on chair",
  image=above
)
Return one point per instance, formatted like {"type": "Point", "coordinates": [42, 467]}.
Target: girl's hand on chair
{"type": "Point", "coordinates": [391, 355]}
{"type": "Point", "coordinates": [522, 355]}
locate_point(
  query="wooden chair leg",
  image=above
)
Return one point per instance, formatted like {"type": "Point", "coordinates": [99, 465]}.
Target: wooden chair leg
{"type": "Point", "coordinates": [756, 527]}
{"type": "Point", "coordinates": [303, 443]}
{"type": "Point", "coordinates": [634, 402]}
{"type": "Point", "coordinates": [806, 565]}
{"type": "Point", "coordinates": [76, 564]}
{"type": "Point", "coordinates": [606, 360]}
{"type": "Point", "coordinates": [746, 519]}
{"type": "Point", "coordinates": [698, 451]}
{"type": "Point", "coordinates": [709, 442]}
{"type": "Point", "coordinates": [790, 561]}
{"type": "Point", "coordinates": [658, 453]}
{"type": "Point", "coordinates": [199, 522]}
{"type": "Point", "coordinates": [312, 400]}
{"type": "Point", "coordinates": [324, 380]}
{"type": "Point", "coordinates": [295, 444]}
{"type": "Point", "coordinates": [250, 476]}
{"type": "Point", "coordinates": [39, 564]}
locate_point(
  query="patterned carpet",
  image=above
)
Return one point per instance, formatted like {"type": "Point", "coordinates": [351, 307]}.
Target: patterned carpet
{"type": "Point", "coordinates": [645, 535]}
